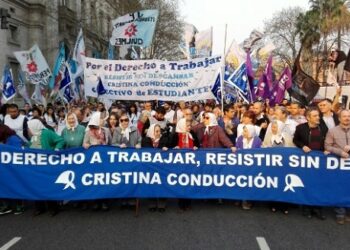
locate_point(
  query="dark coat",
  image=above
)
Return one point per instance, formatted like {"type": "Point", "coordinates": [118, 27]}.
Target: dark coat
{"type": "Point", "coordinates": [217, 136]}
{"type": "Point", "coordinates": [302, 135]}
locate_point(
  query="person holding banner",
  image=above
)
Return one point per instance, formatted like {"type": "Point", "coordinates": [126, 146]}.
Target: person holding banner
{"type": "Point", "coordinates": [126, 136]}
{"type": "Point", "coordinates": [185, 138]}
{"type": "Point", "coordinates": [9, 137]}
{"type": "Point", "coordinates": [43, 138]}
{"type": "Point", "coordinates": [311, 136]}
{"type": "Point", "coordinates": [112, 123]}
{"type": "Point", "coordinates": [97, 134]}
{"type": "Point", "coordinates": [338, 142]}
{"type": "Point", "coordinates": [73, 134]}
{"type": "Point", "coordinates": [17, 122]}
{"type": "Point", "coordinates": [133, 114]}
{"type": "Point", "coordinates": [155, 139]}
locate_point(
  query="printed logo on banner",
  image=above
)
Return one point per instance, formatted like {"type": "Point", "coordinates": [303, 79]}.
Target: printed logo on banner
{"type": "Point", "coordinates": [131, 30]}
{"type": "Point", "coordinates": [292, 181]}
{"type": "Point", "coordinates": [67, 178]}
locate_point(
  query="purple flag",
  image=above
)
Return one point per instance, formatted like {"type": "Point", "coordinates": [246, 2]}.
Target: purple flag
{"type": "Point", "coordinates": [269, 73]}
{"type": "Point", "coordinates": [263, 91]}
{"type": "Point", "coordinates": [284, 83]}
{"type": "Point", "coordinates": [250, 75]}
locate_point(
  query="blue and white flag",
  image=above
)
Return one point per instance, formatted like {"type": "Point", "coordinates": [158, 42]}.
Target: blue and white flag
{"type": "Point", "coordinates": [216, 89]}
{"type": "Point", "coordinates": [38, 95]}
{"type": "Point", "coordinates": [239, 80]}
{"type": "Point", "coordinates": [67, 79]}
{"type": "Point", "coordinates": [134, 28]}
{"type": "Point", "coordinates": [8, 86]}
{"type": "Point", "coordinates": [67, 94]}
{"type": "Point", "coordinates": [58, 68]}
{"type": "Point", "coordinates": [78, 54]}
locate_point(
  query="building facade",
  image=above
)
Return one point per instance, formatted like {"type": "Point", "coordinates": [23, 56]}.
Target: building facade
{"type": "Point", "coordinates": [48, 22]}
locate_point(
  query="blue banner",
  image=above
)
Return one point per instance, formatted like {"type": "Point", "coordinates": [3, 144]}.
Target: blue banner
{"type": "Point", "coordinates": [270, 174]}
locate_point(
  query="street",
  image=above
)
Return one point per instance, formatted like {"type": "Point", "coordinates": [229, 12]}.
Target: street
{"type": "Point", "coordinates": [206, 226]}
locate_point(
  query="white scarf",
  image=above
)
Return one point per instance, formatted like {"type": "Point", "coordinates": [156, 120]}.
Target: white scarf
{"type": "Point", "coordinates": [182, 129]}
{"type": "Point", "coordinates": [248, 142]}
{"type": "Point", "coordinates": [150, 132]}
{"type": "Point", "coordinates": [212, 122]}
{"type": "Point", "coordinates": [35, 126]}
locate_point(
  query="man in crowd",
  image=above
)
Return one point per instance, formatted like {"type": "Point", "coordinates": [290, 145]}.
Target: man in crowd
{"type": "Point", "coordinates": [17, 122]}
{"type": "Point", "coordinates": [311, 136]}
{"type": "Point", "coordinates": [327, 115]}
{"type": "Point", "coordinates": [261, 119]}
{"type": "Point", "coordinates": [281, 114]}
{"type": "Point", "coordinates": [227, 123]}
{"type": "Point", "coordinates": [294, 110]}
{"type": "Point", "coordinates": [338, 142]}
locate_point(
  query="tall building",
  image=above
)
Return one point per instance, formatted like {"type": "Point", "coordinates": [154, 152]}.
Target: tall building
{"type": "Point", "coordinates": [48, 22]}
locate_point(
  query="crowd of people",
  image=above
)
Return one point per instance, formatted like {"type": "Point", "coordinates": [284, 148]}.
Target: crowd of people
{"type": "Point", "coordinates": [324, 126]}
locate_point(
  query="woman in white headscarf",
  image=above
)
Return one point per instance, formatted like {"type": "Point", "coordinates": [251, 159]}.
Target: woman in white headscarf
{"type": "Point", "coordinates": [248, 140]}
{"type": "Point", "coordinates": [126, 135]}
{"type": "Point", "coordinates": [96, 133]}
{"type": "Point", "coordinates": [275, 137]}
{"type": "Point", "coordinates": [154, 139]}
{"type": "Point", "coordinates": [211, 135]}
{"type": "Point", "coordinates": [73, 134]}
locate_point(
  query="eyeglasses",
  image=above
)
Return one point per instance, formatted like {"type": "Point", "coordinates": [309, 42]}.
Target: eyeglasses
{"type": "Point", "coordinates": [206, 117]}
{"type": "Point", "coordinates": [124, 120]}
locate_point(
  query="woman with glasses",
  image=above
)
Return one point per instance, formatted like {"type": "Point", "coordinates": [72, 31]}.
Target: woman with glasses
{"type": "Point", "coordinates": [126, 136]}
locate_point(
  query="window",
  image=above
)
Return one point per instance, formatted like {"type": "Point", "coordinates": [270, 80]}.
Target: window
{"type": "Point", "coordinates": [13, 33]}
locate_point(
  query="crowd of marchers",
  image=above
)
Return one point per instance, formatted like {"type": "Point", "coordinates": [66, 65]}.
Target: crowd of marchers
{"type": "Point", "coordinates": [322, 126]}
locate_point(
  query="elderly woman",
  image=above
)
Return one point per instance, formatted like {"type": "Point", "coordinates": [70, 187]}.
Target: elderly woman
{"type": "Point", "coordinates": [276, 138]}
{"type": "Point", "coordinates": [211, 135]}
{"type": "Point", "coordinates": [154, 139]}
{"type": "Point", "coordinates": [43, 138]}
{"type": "Point", "coordinates": [185, 138]}
{"type": "Point", "coordinates": [97, 134]}
{"type": "Point", "coordinates": [249, 139]}
{"type": "Point", "coordinates": [73, 134]}
{"type": "Point", "coordinates": [126, 135]}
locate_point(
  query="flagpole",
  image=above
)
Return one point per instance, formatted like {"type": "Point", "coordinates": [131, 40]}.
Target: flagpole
{"type": "Point", "coordinates": [223, 72]}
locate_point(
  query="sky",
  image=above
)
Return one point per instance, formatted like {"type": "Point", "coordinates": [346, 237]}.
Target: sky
{"type": "Point", "coordinates": [241, 17]}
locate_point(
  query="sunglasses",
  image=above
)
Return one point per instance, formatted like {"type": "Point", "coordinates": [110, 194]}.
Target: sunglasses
{"type": "Point", "coordinates": [124, 120]}
{"type": "Point", "coordinates": [206, 117]}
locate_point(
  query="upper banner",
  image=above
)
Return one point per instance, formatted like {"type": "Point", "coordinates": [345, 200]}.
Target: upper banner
{"type": "Point", "coordinates": [34, 65]}
{"type": "Point", "coordinates": [134, 29]}
{"type": "Point", "coordinates": [270, 174]}
{"type": "Point", "coordinates": [186, 80]}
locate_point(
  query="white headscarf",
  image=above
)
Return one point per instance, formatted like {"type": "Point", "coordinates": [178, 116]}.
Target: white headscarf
{"type": "Point", "coordinates": [181, 127]}
{"type": "Point", "coordinates": [35, 126]}
{"type": "Point", "coordinates": [277, 138]}
{"type": "Point", "coordinates": [95, 119]}
{"type": "Point", "coordinates": [150, 132]}
{"type": "Point", "coordinates": [75, 124]}
{"type": "Point", "coordinates": [125, 131]}
{"type": "Point", "coordinates": [212, 121]}
{"type": "Point", "coordinates": [252, 133]}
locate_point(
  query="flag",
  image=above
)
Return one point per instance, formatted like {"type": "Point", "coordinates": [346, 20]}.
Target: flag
{"type": "Point", "coordinates": [67, 94]}
{"type": "Point", "coordinates": [22, 89]}
{"type": "Point", "coordinates": [204, 43]}
{"type": "Point", "coordinates": [235, 56]}
{"type": "Point", "coordinates": [8, 85]}
{"type": "Point", "coordinates": [188, 41]}
{"type": "Point", "coordinates": [216, 89]}
{"type": "Point", "coordinates": [67, 79]}
{"type": "Point", "coordinates": [58, 68]}
{"type": "Point", "coordinates": [239, 80]}
{"type": "Point", "coordinates": [254, 36]}
{"type": "Point", "coordinates": [78, 55]}
{"type": "Point", "coordinates": [134, 29]}
{"type": "Point", "coordinates": [250, 75]}
{"type": "Point", "coordinates": [100, 88]}
{"type": "Point", "coordinates": [283, 84]}
{"type": "Point", "coordinates": [38, 95]}
{"type": "Point", "coordinates": [263, 90]}
{"type": "Point", "coordinates": [304, 87]}
{"type": "Point", "coordinates": [110, 51]}
{"type": "Point", "coordinates": [34, 65]}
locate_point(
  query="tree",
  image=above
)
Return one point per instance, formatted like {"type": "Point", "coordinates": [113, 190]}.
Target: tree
{"type": "Point", "coordinates": [283, 31]}
{"type": "Point", "coordinates": [168, 31]}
